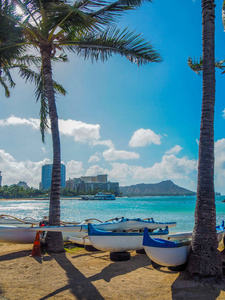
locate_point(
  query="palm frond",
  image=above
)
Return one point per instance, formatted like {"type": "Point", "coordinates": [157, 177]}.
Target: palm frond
{"type": "Point", "coordinates": [112, 40]}
{"type": "Point", "coordinates": [9, 77]}
{"type": "Point", "coordinates": [6, 88]}
{"type": "Point", "coordinates": [197, 65]}
{"type": "Point", "coordinates": [59, 88]}
{"type": "Point", "coordinates": [28, 60]}
{"type": "Point", "coordinates": [109, 12]}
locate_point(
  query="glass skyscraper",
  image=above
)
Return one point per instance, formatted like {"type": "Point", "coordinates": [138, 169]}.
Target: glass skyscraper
{"type": "Point", "coordinates": [46, 178]}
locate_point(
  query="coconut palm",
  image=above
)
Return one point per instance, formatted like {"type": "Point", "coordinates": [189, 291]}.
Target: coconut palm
{"type": "Point", "coordinates": [8, 33]}
{"type": "Point", "coordinates": [87, 28]}
{"type": "Point", "coordinates": [204, 258]}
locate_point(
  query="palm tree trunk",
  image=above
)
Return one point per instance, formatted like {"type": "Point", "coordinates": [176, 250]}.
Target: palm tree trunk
{"type": "Point", "coordinates": [54, 242]}
{"type": "Point", "coordinates": [204, 258]}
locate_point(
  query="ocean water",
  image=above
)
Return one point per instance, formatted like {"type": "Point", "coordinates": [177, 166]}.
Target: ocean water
{"type": "Point", "coordinates": [162, 209]}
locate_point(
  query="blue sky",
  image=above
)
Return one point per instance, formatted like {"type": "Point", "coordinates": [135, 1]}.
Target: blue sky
{"type": "Point", "coordinates": [137, 124]}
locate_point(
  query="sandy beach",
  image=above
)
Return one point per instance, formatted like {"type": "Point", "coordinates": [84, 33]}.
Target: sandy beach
{"type": "Point", "coordinates": [79, 274]}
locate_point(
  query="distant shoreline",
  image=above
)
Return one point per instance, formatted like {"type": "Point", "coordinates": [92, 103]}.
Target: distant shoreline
{"type": "Point", "coordinates": [37, 199]}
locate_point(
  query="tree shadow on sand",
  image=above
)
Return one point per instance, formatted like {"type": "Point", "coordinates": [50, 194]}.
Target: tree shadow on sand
{"type": "Point", "coordinates": [185, 288]}
{"type": "Point", "coordinates": [121, 267]}
{"type": "Point", "coordinates": [15, 255]}
{"type": "Point", "coordinates": [80, 286]}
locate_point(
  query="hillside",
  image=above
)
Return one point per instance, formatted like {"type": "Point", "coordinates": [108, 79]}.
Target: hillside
{"type": "Point", "coordinates": [164, 188]}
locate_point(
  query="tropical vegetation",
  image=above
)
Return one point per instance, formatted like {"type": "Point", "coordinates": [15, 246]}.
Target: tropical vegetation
{"type": "Point", "coordinates": [16, 191]}
{"type": "Point", "coordinates": [87, 28]}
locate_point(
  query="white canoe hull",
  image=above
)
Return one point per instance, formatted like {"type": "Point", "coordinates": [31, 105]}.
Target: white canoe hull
{"type": "Point", "coordinates": [168, 256]}
{"type": "Point", "coordinates": [15, 235]}
{"type": "Point", "coordinates": [119, 243]}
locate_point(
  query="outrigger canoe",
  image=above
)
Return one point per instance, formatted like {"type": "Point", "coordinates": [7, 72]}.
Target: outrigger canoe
{"type": "Point", "coordinates": [116, 225]}
{"type": "Point", "coordinates": [120, 241]}
{"type": "Point", "coordinates": [16, 235]}
{"type": "Point", "coordinates": [166, 253]}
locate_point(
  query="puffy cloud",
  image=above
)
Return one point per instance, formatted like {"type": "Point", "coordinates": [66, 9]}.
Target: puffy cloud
{"type": "Point", "coordinates": [113, 154]}
{"type": "Point", "coordinates": [95, 170]}
{"type": "Point", "coordinates": [14, 171]}
{"type": "Point", "coordinates": [15, 121]}
{"type": "Point", "coordinates": [94, 158]}
{"type": "Point", "coordinates": [175, 150]}
{"type": "Point", "coordinates": [119, 171]}
{"type": "Point", "coordinates": [223, 113]}
{"type": "Point", "coordinates": [170, 167]}
{"type": "Point", "coordinates": [74, 169]}
{"type": "Point", "coordinates": [143, 137]}
{"type": "Point", "coordinates": [80, 131]}
{"type": "Point", "coordinates": [107, 143]}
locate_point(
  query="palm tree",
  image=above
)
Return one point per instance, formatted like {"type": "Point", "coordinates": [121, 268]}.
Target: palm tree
{"type": "Point", "coordinates": [204, 259]}
{"type": "Point", "coordinates": [8, 33]}
{"type": "Point", "coordinates": [87, 28]}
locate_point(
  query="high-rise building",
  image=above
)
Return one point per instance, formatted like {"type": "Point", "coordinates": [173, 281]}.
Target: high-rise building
{"type": "Point", "coordinates": [89, 183]}
{"type": "Point", "coordinates": [98, 178]}
{"type": "Point", "coordinates": [0, 178]}
{"type": "Point", "coordinates": [46, 178]}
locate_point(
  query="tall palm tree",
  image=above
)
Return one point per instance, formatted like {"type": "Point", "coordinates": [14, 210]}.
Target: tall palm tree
{"type": "Point", "coordinates": [204, 258]}
{"type": "Point", "coordinates": [87, 28]}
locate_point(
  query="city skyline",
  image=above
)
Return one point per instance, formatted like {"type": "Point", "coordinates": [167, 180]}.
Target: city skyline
{"type": "Point", "coordinates": [136, 124]}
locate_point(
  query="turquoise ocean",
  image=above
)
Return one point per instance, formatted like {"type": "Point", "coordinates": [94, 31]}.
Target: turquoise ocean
{"type": "Point", "coordinates": [162, 209]}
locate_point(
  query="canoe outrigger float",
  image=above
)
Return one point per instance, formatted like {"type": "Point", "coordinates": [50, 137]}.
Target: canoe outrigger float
{"type": "Point", "coordinates": [188, 235]}
{"type": "Point", "coordinates": [120, 241]}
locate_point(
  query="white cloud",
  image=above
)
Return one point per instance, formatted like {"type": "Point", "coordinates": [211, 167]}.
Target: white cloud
{"type": "Point", "coordinates": [80, 131]}
{"type": "Point", "coordinates": [175, 150]}
{"type": "Point", "coordinates": [74, 169]}
{"type": "Point", "coordinates": [14, 171]}
{"type": "Point", "coordinates": [107, 143]}
{"type": "Point", "coordinates": [113, 154]}
{"type": "Point", "coordinates": [94, 158]}
{"type": "Point", "coordinates": [95, 170]}
{"type": "Point", "coordinates": [119, 171]}
{"type": "Point", "coordinates": [170, 167]}
{"type": "Point", "coordinates": [43, 149]}
{"type": "Point", "coordinates": [143, 137]}
{"type": "Point", "coordinates": [15, 121]}
{"type": "Point", "coordinates": [223, 113]}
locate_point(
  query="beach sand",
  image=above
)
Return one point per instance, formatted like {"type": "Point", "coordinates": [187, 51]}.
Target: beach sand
{"type": "Point", "coordinates": [80, 274]}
